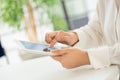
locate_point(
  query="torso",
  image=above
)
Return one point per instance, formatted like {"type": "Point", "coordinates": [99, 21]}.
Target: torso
{"type": "Point", "coordinates": [111, 22]}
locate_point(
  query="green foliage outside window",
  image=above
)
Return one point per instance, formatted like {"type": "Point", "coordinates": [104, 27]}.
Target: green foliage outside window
{"type": "Point", "coordinates": [12, 12]}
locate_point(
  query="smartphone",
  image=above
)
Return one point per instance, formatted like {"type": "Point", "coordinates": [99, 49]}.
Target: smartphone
{"type": "Point", "coordinates": [35, 48]}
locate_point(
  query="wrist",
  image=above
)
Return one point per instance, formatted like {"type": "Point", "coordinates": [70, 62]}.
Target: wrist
{"type": "Point", "coordinates": [86, 58]}
{"type": "Point", "coordinates": [76, 38]}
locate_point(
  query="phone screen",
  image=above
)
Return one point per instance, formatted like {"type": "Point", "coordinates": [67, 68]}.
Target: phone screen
{"type": "Point", "coordinates": [36, 46]}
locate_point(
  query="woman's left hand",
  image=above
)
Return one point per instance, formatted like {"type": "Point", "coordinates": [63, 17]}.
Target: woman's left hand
{"type": "Point", "coordinates": [71, 57]}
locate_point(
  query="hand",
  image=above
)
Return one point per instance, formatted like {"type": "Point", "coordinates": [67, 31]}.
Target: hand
{"type": "Point", "coordinates": [71, 57]}
{"type": "Point", "coordinates": [68, 38]}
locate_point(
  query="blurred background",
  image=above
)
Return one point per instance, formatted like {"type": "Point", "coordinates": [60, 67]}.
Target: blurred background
{"type": "Point", "coordinates": [30, 19]}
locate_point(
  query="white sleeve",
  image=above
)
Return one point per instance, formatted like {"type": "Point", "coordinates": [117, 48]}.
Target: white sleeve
{"type": "Point", "coordinates": [91, 35]}
{"type": "Point", "coordinates": [104, 56]}
{"type": "Point", "coordinates": [91, 38]}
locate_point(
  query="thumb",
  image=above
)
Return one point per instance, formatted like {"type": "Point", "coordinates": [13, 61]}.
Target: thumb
{"type": "Point", "coordinates": [59, 52]}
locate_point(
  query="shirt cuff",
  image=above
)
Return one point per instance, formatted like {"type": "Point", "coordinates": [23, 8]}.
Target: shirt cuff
{"type": "Point", "coordinates": [82, 39]}
{"type": "Point", "coordinates": [99, 58]}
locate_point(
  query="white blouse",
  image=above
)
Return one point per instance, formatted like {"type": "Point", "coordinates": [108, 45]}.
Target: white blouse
{"type": "Point", "coordinates": [101, 37]}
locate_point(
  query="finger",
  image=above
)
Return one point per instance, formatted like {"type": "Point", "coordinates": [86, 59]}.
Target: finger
{"type": "Point", "coordinates": [54, 40]}
{"type": "Point", "coordinates": [47, 38]}
{"type": "Point", "coordinates": [57, 58]}
{"type": "Point", "coordinates": [59, 52]}
{"type": "Point", "coordinates": [50, 36]}
{"type": "Point", "coordinates": [52, 43]}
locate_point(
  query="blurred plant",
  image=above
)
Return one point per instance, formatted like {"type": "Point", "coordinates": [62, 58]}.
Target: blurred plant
{"type": "Point", "coordinates": [54, 10]}
{"type": "Point", "coordinates": [12, 12]}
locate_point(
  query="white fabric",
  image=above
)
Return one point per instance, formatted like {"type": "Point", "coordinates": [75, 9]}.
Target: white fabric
{"type": "Point", "coordinates": [46, 68]}
{"type": "Point", "coordinates": [101, 37]}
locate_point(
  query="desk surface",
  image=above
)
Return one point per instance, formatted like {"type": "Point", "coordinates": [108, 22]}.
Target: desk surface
{"type": "Point", "coordinates": [48, 69]}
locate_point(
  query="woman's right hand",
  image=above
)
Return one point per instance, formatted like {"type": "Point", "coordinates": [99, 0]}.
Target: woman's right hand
{"type": "Point", "coordinates": [69, 38]}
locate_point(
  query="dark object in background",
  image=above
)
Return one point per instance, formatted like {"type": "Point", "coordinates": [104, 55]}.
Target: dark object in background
{"type": "Point", "coordinates": [79, 22]}
{"type": "Point", "coordinates": [2, 53]}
